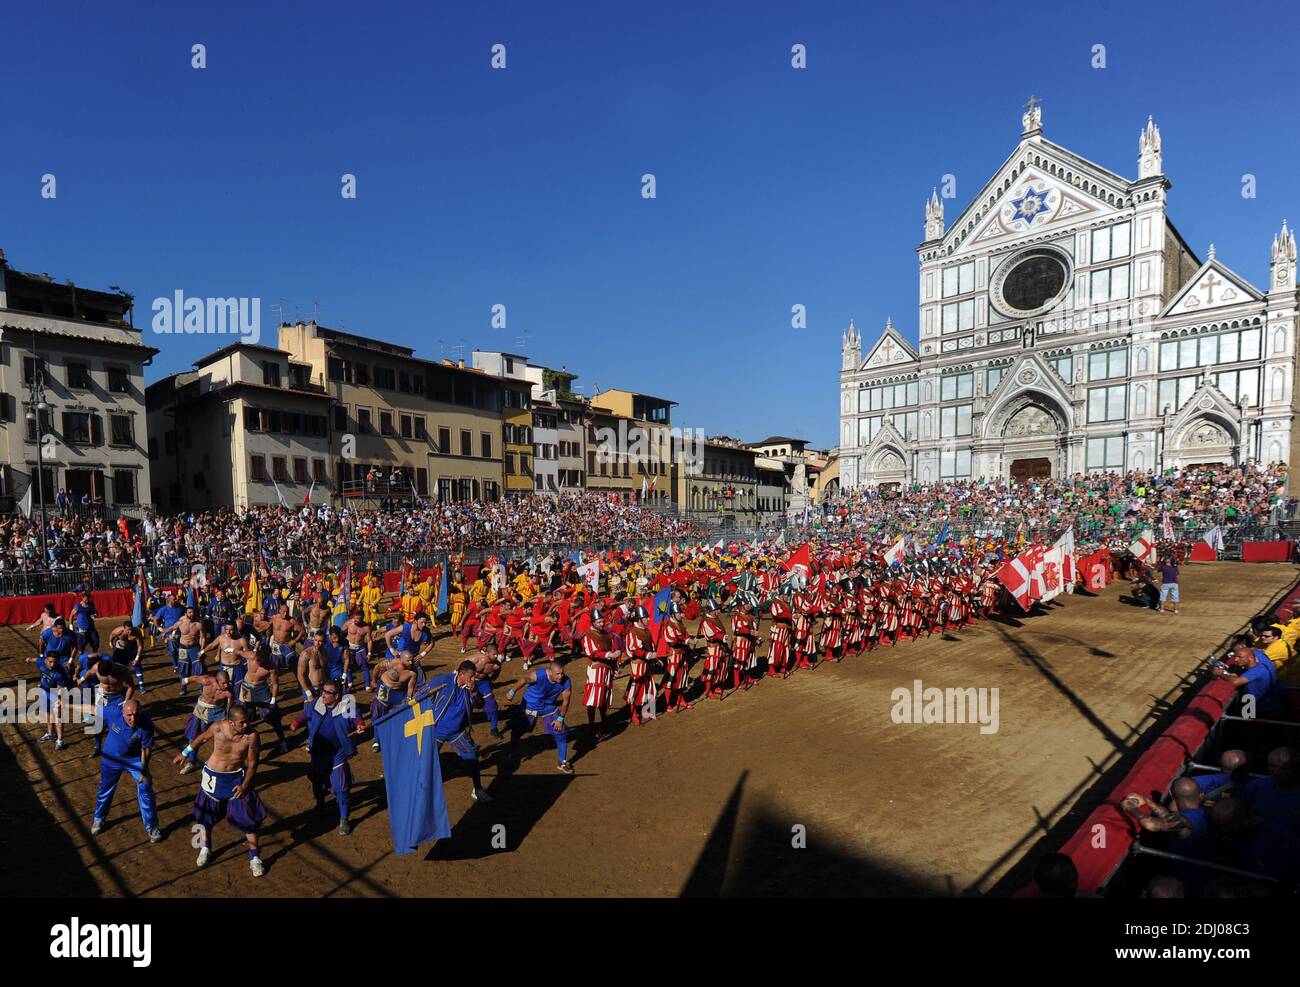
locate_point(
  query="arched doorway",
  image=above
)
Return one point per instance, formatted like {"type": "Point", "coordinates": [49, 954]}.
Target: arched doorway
{"type": "Point", "coordinates": [889, 469]}
{"type": "Point", "coordinates": [1031, 436]}
{"type": "Point", "coordinates": [1206, 440]}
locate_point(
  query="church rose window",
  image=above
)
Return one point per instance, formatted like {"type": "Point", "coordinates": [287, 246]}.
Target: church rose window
{"type": "Point", "coordinates": [1031, 283]}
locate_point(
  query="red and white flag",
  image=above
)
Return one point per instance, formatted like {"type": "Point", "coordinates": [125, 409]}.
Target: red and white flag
{"type": "Point", "coordinates": [1144, 549]}
{"type": "Point", "coordinates": [896, 551]}
{"type": "Point", "coordinates": [1049, 573]}
{"type": "Point", "coordinates": [590, 574]}
{"type": "Point", "coordinates": [1167, 527]}
{"type": "Point", "coordinates": [801, 556]}
{"type": "Point", "coordinates": [1032, 559]}
{"type": "Point", "coordinates": [1014, 575]}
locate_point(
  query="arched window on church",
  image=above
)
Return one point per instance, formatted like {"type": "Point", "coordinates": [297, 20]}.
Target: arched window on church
{"type": "Point", "coordinates": [1142, 360]}
{"type": "Point", "coordinates": [1278, 386]}
{"type": "Point", "coordinates": [1141, 408]}
{"type": "Point", "coordinates": [1279, 341]}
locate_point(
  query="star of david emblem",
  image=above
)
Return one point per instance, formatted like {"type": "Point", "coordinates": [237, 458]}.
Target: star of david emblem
{"type": "Point", "coordinates": [1029, 205]}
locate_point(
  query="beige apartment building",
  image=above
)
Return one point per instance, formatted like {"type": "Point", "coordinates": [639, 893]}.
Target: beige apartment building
{"type": "Point", "coordinates": [641, 440]}
{"type": "Point", "coordinates": [240, 430]}
{"type": "Point", "coordinates": [71, 360]}
{"type": "Point", "coordinates": [403, 426]}
{"type": "Point", "coordinates": [725, 488]}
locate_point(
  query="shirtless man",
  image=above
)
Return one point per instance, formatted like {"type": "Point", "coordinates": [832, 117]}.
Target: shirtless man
{"type": "Point", "coordinates": [359, 634]}
{"type": "Point", "coordinates": [189, 651]}
{"type": "Point", "coordinates": [210, 708]}
{"type": "Point", "coordinates": [286, 632]}
{"type": "Point", "coordinates": [318, 616]}
{"type": "Point", "coordinates": [226, 789]}
{"type": "Point", "coordinates": [259, 691]}
{"type": "Point", "coordinates": [126, 642]}
{"type": "Point", "coordinates": [232, 651]}
{"type": "Point", "coordinates": [113, 686]}
{"type": "Point", "coordinates": [313, 667]}
{"type": "Point", "coordinates": [395, 680]}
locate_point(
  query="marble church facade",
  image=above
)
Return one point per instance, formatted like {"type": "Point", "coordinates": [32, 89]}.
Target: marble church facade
{"type": "Point", "coordinates": [1065, 326]}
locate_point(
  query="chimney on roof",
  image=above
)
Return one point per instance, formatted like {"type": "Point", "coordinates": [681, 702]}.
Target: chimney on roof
{"type": "Point", "coordinates": [461, 363]}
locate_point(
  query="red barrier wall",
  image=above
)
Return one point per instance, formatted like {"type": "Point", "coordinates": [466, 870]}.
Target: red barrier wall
{"type": "Point", "coordinates": [24, 610]}
{"type": "Point", "coordinates": [1202, 552]}
{"type": "Point", "coordinates": [1154, 772]}
{"type": "Point", "coordinates": [1267, 551]}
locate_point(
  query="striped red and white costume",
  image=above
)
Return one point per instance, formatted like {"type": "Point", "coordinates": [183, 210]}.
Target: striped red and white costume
{"type": "Point", "coordinates": [640, 684]}
{"type": "Point", "coordinates": [805, 641]}
{"type": "Point", "coordinates": [677, 664]}
{"type": "Point", "coordinates": [780, 636]}
{"type": "Point", "coordinates": [715, 654]}
{"type": "Point", "coordinates": [744, 658]}
{"type": "Point", "coordinates": [598, 649]}
{"type": "Point", "coordinates": [832, 636]}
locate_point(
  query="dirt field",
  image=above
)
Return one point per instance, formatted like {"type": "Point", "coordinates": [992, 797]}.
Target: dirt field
{"type": "Point", "coordinates": [706, 802]}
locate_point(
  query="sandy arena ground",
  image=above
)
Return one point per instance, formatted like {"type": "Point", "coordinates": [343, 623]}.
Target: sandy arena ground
{"type": "Point", "coordinates": [706, 802]}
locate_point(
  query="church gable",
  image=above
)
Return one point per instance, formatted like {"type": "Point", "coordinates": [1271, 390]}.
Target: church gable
{"type": "Point", "coordinates": [1028, 375]}
{"type": "Point", "coordinates": [1213, 286]}
{"type": "Point", "coordinates": [890, 350]}
{"type": "Point", "coordinates": [1040, 186]}
{"type": "Point", "coordinates": [1207, 404]}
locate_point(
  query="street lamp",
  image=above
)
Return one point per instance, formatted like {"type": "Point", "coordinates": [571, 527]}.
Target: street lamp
{"type": "Point", "coordinates": [36, 408]}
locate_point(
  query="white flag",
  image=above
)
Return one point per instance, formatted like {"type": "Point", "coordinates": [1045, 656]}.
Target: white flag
{"type": "Point", "coordinates": [590, 574]}
{"type": "Point", "coordinates": [1214, 538]}
{"type": "Point", "coordinates": [1049, 574]}
{"type": "Point", "coordinates": [1069, 566]}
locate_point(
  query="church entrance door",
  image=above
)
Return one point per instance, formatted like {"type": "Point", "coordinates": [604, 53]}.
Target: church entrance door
{"type": "Point", "coordinates": [1025, 470]}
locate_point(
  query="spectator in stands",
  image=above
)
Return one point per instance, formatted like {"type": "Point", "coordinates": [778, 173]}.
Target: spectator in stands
{"type": "Point", "coordinates": [1271, 638]}
{"type": "Point", "coordinates": [1165, 886]}
{"type": "Point", "coordinates": [1057, 877]}
{"type": "Point", "coordinates": [1186, 820]}
{"type": "Point", "coordinates": [1228, 783]}
{"type": "Point", "coordinates": [1277, 796]}
{"type": "Point", "coordinates": [1255, 674]}
{"type": "Point", "coordinates": [1249, 843]}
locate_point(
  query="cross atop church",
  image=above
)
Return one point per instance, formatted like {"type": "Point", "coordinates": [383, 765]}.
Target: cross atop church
{"type": "Point", "coordinates": [1032, 120]}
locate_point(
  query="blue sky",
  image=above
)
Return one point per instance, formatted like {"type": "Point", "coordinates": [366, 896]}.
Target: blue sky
{"type": "Point", "coordinates": [521, 186]}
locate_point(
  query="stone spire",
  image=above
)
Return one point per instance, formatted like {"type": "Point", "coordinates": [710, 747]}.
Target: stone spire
{"type": "Point", "coordinates": [1284, 257]}
{"type": "Point", "coordinates": [934, 216]}
{"type": "Point", "coordinates": [1211, 254]}
{"type": "Point", "coordinates": [851, 349]}
{"type": "Point", "coordinates": [1150, 161]}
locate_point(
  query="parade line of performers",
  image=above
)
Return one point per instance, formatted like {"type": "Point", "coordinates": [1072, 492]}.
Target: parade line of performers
{"type": "Point", "coordinates": [683, 626]}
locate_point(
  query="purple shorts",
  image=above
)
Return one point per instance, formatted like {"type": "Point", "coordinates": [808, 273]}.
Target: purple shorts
{"type": "Point", "coordinates": [245, 814]}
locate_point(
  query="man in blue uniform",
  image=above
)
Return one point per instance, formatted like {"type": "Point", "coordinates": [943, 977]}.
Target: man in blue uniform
{"type": "Point", "coordinates": [220, 612]}
{"type": "Point", "coordinates": [167, 616]}
{"type": "Point", "coordinates": [127, 746]}
{"type": "Point", "coordinates": [83, 622]}
{"type": "Point", "coordinates": [453, 705]}
{"type": "Point", "coordinates": [56, 679]}
{"type": "Point", "coordinates": [546, 700]}
{"type": "Point", "coordinates": [330, 728]}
